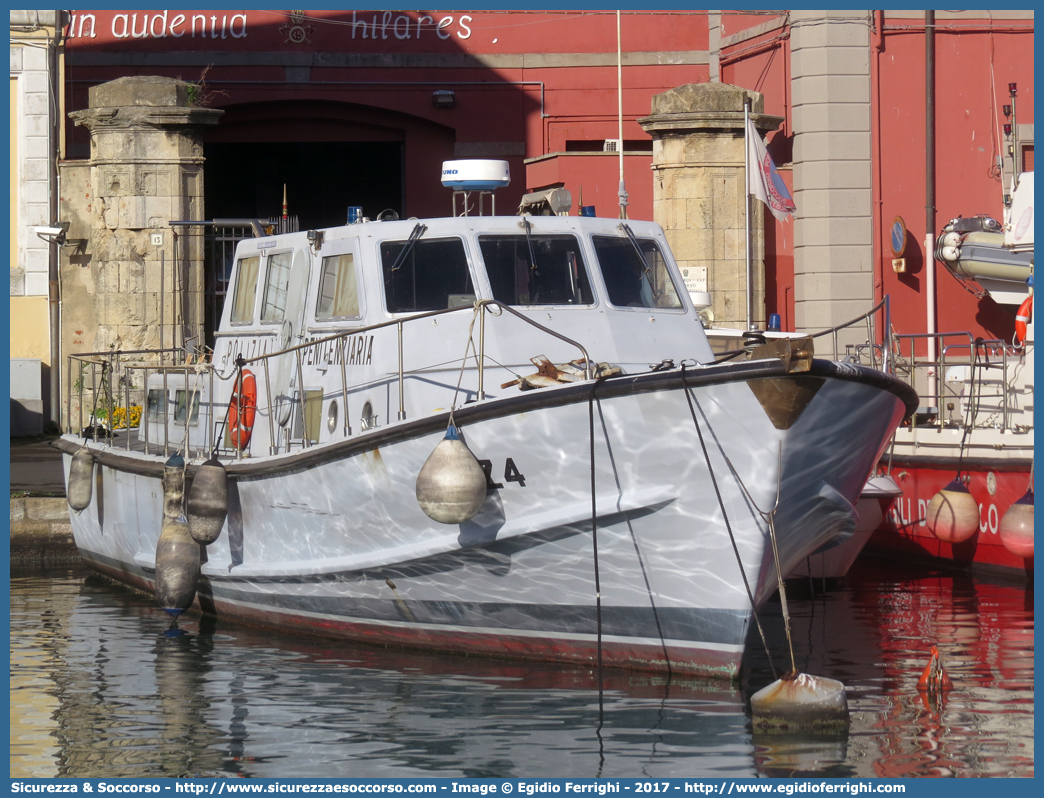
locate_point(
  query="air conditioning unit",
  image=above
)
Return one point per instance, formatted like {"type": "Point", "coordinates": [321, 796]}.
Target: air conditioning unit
{"type": "Point", "coordinates": [612, 145]}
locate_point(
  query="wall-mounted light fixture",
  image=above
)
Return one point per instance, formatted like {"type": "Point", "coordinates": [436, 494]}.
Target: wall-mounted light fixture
{"type": "Point", "coordinates": [443, 98]}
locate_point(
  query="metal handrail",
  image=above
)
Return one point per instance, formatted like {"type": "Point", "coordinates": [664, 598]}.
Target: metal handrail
{"type": "Point", "coordinates": [112, 362]}
{"type": "Point", "coordinates": [490, 302]}
{"type": "Point", "coordinates": [886, 365]}
{"type": "Point", "coordinates": [886, 359]}
{"type": "Point", "coordinates": [481, 307]}
{"type": "Point", "coordinates": [996, 347]}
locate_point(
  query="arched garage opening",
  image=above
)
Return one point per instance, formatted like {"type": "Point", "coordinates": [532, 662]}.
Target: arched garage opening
{"type": "Point", "coordinates": [322, 178]}
{"type": "Point", "coordinates": [329, 155]}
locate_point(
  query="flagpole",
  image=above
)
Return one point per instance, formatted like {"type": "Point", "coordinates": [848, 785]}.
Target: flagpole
{"type": "Point", "coordinates": [746, 197]}
{"type": "Point", "coordinates": [619, 116]}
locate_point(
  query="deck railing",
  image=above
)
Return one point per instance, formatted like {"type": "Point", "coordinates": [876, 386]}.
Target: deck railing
{"type": "Point", "coordinates": [970, 374]}
{"type": "Point", "coordinates": [872, 350]}
{"type": "Point", "coordinates": [102, 376]}
{"type": "Point", "coordinates": [878, 355]}
{"type": "Point", "coordinates": [107, 382]}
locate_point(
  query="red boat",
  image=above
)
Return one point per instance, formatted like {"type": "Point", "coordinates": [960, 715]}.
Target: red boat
{"type": "Point", "coordinates": [976, 418]}
{"type": "Point", "coordinates": [905, 528]}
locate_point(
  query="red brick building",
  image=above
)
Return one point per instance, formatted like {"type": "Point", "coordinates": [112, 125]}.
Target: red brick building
{"type": "Point", "coordinates": [361, 107]}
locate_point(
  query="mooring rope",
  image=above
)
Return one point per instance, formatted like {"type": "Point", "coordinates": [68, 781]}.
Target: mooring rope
{"type": "Point", "coordinates": [779, 575]}
{"type": "Point", "coordinates": [239, 403]}
{"type": "Point", "coordinates": [464, 361]}
{"type": "Point", "coordinates": [770, 519]}
{"type": "Point", "coordinates": [598, 584]}
{"type": "Point", "coordinates": [728, 526]}
{"type": "Point", "coordinates": [637, 551]}
{"type": "Point", "coordinates": [973, 407]}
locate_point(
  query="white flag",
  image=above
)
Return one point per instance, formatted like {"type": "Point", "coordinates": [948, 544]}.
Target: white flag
{"type": "Point", "coordinates": [763, 181]}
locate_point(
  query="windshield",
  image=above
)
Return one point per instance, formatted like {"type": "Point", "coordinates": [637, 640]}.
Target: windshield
{"type": "Point", "coordinates": [536, 270]}
{"type": "Point", "coordinates": [433, 275]}
{"type": "Point", "coordinates": [633, 280]}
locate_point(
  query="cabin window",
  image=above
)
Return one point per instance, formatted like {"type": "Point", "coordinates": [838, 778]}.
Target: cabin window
{"type": "Point", "coordinates": [273, 308]}
{"type": "Point", "coordinates": [156, 405]}
{"type": "Point", "coordinates": [536, 270]}
{"type": "Point", "coordinates": [632, 281]}
{"type": "Point", "coordinates": [181, 408]}
{"type": "Point", "coordinates": [433, 275]}
{"type": "Point", "coordinates": [246, 290]}
{"type": "Point", "coordinates": [338, 294]}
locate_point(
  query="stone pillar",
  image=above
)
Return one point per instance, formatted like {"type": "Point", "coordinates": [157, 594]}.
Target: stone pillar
{"type": "Point", "coordinates": [699, 192]}
{"type": "Point", "coordinates": [833, 235]}
{"type": "Point", "coordinates": [146, 170]}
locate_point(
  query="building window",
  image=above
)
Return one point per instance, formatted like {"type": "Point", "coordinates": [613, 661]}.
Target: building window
{"type": "Point", "coordinates": [246, 290]}
{"type": "Point", "coordinates": [633, 280]}
{"type": "Point", "coordinates": [432, 275]}
{"type": "Point", "coordinates": [538, 270]}
{"type": "Point", "coordinates": [277, 280]}
{"type": "Point", "coordinates": [1027, 157]}
{"type": "Point", "coordinates": [338, 294]}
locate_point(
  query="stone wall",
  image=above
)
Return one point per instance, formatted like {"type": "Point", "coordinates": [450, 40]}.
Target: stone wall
{"type": "Point", "coordinates": [833, 234]}
{"type": "Point", "coordinates": [129, 283]}
{"type": "Point", "coordinates": [41, 534]}
{"type": "Point", "coordinates": [30, 80]}
{"type": "Point", "coordinates": [146, 170]}
{"type": "Point", "coordinates": [699, 192]}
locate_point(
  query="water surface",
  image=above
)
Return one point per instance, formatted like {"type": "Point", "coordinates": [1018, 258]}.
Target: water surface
{"type": "Point", "coordinates": [100, 688]}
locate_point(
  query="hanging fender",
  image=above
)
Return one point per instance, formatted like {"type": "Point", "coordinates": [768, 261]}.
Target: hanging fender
{"type": "Point", "coordinates": [241, 409]}
{"type": "Point", "coordinates": [1022, 318]}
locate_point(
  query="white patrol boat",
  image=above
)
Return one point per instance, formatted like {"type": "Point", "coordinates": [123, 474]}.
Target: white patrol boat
{"type": "Point", "coordinates": [483, 434]}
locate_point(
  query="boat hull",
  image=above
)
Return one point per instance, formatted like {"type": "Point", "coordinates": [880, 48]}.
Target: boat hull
{"type": "Point", "coordinates": [834, 562]}
{"type": "Point", "coordinates": [995, 484]}
{"type": "Point", "coordinates": [331, 541]}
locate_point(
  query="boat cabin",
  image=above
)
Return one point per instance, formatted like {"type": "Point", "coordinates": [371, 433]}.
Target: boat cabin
{"type": "Point", "coordinates": [346, 329]}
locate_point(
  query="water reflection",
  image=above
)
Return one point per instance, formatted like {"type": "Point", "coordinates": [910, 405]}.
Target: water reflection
{"type": "Point", "coordinates": [99, 688]}
{"type": "Point", "coordinates": [875, 634]}
{"type": "Point", "coordinates": [802, 754]}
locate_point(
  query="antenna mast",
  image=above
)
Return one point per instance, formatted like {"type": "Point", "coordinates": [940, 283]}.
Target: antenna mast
{"type": "Point", "coordinates": [619, 115]}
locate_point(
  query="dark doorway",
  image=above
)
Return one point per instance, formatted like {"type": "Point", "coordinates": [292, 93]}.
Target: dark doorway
{"type": "Point", "coordinates": [245, 180]}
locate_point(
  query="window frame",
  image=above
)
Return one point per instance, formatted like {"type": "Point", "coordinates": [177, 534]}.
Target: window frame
{"type": "Point", "coordinates": [269, 255]}
{"type": "Point", "coordinates": [353, 266]}
{"type": "Point", "coordinates": [189, 406]}
{"type": "Point", "coordinates": [581, 251]}
{"type": "Point", "coordinates": [680, 308]}
{"type": "Point", "coordinates": [469, 263]}
{"type": "Point", "coordinates": [157, 402]}
{"type": "Point", "coordinates": [235, 290]}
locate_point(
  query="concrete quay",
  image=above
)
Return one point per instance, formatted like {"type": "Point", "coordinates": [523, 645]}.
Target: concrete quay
{"type": "Point", "coordinates": [41, 535]}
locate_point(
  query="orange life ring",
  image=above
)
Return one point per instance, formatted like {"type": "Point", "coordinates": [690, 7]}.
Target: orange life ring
{"type": "Point", "coordinates": [1022, 318]}
{"type": "Point", "coordinates": [241, 410]}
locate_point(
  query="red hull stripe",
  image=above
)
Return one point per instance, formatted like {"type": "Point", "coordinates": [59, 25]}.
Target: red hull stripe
{"type": "Point", "coordinates": [645, 653]}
